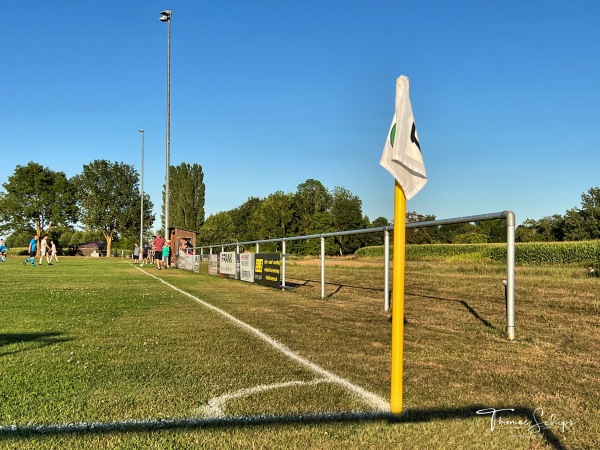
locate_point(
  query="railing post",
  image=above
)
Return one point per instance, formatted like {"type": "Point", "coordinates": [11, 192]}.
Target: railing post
{"type": "Point", "coordinates": [282, 264]}
{"type": "Point", "coordinates": [510, 275]}
{"type": "Point", "coordinates": [322, 267]}
{"type": "Point", "coordinates": [386, 268]}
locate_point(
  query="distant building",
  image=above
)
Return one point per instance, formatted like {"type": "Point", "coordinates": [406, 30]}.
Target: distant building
{"type": "Point", "coordinates": [87, 248]}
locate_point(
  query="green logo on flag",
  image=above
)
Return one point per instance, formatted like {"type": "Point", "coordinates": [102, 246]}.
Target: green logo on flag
{"type": "Point", "coordinates": [393, 135]}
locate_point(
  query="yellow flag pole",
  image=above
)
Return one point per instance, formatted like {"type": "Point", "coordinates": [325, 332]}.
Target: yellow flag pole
{"type": "Point", "coordinates": [398, 299]}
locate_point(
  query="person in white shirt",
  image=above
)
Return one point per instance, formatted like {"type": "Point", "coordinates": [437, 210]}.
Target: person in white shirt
{"type": "Point", "coordinates": [52, 251]}
{"type": "Point", "coordinates": [44, 250]}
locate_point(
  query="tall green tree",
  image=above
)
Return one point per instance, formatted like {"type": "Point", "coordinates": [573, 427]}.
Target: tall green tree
{"type": "Point", "coordinates": [547, 229]}
{"type": "Point", "coordinates": [346, 212]}
{"type": "Point", "coordinates": [575, 226]}
{"type": "Point", "coordinates": [37, 198]}
{"type": "Point", "coordinates": [242, 219]}
{"type": "Point", "coordinates": [275, 216]}
{"type": "Point", "coordinates": [493, 230]}
{"type": "Point", "coordinates": [371, 239]}
{"type": "Point", "coordinates": [109, 199]}
{"type": "Point", "coordinates": [419, 235]}
{"type": "Point", "coordinates": [217, 229]}
{"type": "Point", "coordinates": [186, 197]}
{"type": "Point", "coordinates": [590, 211]}
{"type": "Point", "coordinates": [311, 198]}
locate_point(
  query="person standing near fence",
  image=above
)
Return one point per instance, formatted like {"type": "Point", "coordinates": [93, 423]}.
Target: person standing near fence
{"type": "Point", "coordinates": [158, 245]}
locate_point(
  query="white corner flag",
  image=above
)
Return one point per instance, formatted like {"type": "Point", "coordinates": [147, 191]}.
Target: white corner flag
{"type": "Point", "coordinates": [402, 153]}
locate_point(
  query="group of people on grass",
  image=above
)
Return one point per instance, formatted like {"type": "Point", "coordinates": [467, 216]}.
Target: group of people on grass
{"type": "Point", "coordinates": [159, 252]}
{"type": "Point", "coordinates": [47, 250]}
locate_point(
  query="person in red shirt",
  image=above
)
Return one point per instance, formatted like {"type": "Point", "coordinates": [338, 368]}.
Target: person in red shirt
{"type": "Point", "coordinates": [158, 245]}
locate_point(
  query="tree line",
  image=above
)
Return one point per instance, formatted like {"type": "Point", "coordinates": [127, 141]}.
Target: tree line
{"type": "Point", "coordinates": [577, 224]}
{"type": "Point", "coordinates": [104, 199]}
{"type": "Point", "coordinates": [103, 203]}
{"type": "Point", "coordinates": [313, 209]}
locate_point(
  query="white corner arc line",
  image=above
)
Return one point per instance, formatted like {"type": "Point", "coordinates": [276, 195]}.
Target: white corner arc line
{"type": "Point", "coordinates": [214, 407]}
{"type": "Point", "coordinates": [371, 398]}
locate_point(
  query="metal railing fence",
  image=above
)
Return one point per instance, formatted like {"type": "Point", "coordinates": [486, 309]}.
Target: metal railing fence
{"type": "Point", "coordinates": [510, 254]}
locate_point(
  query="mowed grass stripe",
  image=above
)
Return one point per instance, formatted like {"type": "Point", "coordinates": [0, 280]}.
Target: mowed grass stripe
{"type": "Point", "coordinates": [119, 347]}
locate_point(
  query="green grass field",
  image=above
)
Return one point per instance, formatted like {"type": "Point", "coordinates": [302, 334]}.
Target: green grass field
{"type": "Point", "coordinates": [96, 353]}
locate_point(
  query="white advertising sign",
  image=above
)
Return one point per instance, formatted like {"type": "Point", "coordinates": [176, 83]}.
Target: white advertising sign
{"type": "Point", "coordinates": [227, 260]}
{"type": "Point", "coordinates": [247, 267]}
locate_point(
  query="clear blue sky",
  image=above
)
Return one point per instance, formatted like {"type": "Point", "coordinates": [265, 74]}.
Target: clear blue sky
{"type": "Point", "coordinates": [267, 94]}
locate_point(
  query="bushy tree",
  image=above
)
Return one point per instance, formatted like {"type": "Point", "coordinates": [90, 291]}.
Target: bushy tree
{"type": "Point", "coordinates": [311, 198]}
{"type": "Point", "coordinates": [346, 213]}
{"type": "Point", "coordinates": [590, 212]}
{"type": "Point", "coordinates": [37, 198]}
{"type": "Point", "coordinates": [242, 219]}
{"type": "Point", "coordinates": [419, 235]}
{"type": "Point", "coordinates": [374, 239]}
{"type": "Point", "coordinates": [217, 229]}
{"type": "Point", "coordinates": [575, 226]}
{"type": "Point", "coordinates": [494, 231]}
{"type": "Point", "coordinates": [274, 217]}
{"type": "Point", "coordinates": [19, 239]}
{"type": "Point", "coordinates": [110, 202]}
{"type": "Point", "coordinates": [547, 229]}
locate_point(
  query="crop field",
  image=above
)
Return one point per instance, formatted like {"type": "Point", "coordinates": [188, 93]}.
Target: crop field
{"type": "Point", "coordinates": [100, 353]}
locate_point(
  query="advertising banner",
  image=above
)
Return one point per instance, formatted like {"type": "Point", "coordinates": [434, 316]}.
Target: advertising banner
{"type": "Point", "coordinates": [213, 264]}
{"type": "Point", "coordinates": [267, 269]}
{"type": "Point", "coordinates": [228, 262]}
{"type": "Point", "coordinates": [185, 262]}
{"type": "Point", "coordinates": [247, 267]}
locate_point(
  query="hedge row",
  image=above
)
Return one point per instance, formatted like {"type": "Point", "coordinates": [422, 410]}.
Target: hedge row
{"type": "Point", "coordinates": [547, 253]}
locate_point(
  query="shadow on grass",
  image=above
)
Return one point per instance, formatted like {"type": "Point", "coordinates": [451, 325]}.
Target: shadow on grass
{"type": "Point", "coordinates": [463, 303]}
{"type": "Point", "coordinates": [339, 287]}
{"type": "Point", "coordinates": [528, 420]}
{"type": "Point", "coordinates": [38, 339]}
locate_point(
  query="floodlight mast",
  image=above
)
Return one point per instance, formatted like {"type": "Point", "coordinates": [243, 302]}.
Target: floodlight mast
{"type": "Point", "coordinates": [141, 130]}
{"type": "Point", "coordinates": [166, 17]}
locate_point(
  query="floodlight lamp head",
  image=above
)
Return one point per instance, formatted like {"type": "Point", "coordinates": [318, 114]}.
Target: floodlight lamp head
{"type": "Point", "coordinates": [141, 130]}
{"type": "Point", "coordinates": [165, 15]}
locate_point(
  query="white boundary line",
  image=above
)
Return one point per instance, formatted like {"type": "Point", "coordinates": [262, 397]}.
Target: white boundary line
{"type": "Point", "coordinates": [214, 406]}
{"type": "Point", "coordinates": [371, 398]}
